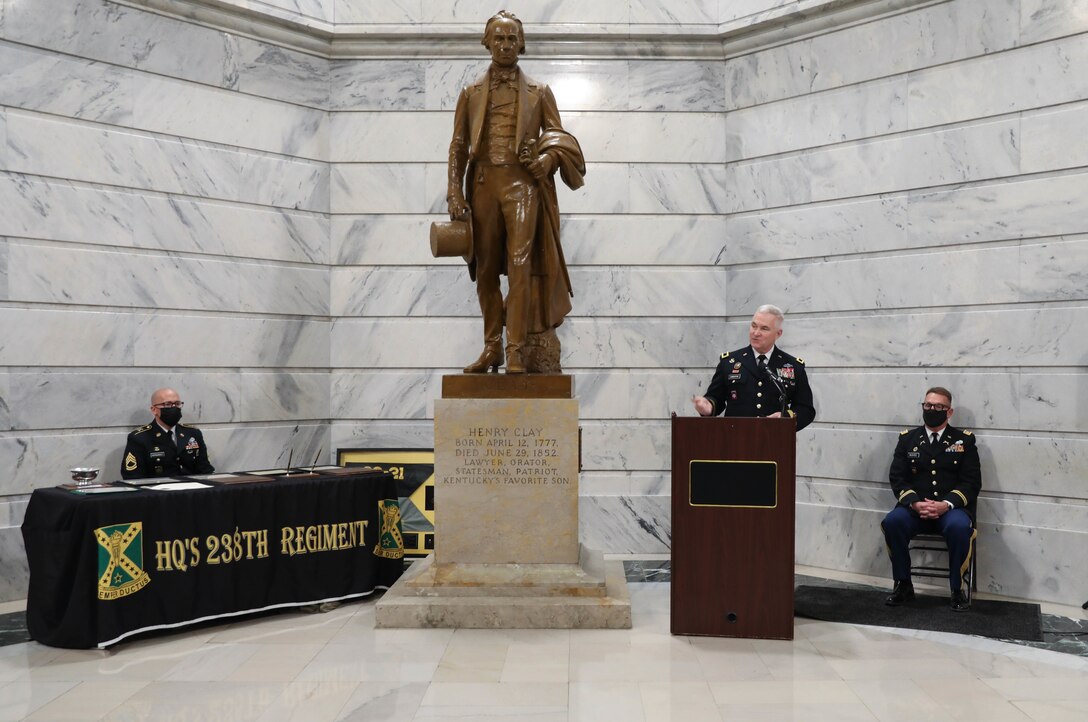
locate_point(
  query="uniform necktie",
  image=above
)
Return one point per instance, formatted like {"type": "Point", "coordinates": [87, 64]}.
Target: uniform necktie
{"type": "Point", "coordinates": [762, 361]}
{"type": "Point", "coordinates": [933, 439]}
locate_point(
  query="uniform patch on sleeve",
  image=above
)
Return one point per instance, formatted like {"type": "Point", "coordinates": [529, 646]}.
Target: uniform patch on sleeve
{"type": "Point", "coordinates": [130, 462]}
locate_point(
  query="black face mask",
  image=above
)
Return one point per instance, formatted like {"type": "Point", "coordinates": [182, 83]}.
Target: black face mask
{"type": "Point", "coordinates": [932, 418]}
{"type": "Point", "coordinates": [172, 415]}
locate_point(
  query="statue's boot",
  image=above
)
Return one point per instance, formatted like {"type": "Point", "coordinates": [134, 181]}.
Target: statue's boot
{"type": "Point", "coordinates": [515, 364]}
{"type": "Point", "coordinates": [491, 358]}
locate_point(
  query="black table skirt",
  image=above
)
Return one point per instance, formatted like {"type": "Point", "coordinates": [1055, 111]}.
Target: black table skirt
{"type": "Point", "coordinates": [104, 567]}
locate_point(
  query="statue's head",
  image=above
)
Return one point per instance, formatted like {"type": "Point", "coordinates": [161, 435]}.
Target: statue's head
{"type": "Point", "coordinates": [502, 28]}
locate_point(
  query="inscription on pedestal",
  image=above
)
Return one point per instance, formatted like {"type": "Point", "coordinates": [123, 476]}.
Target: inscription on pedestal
{"type": "Point", "coordinates": [506, 481]}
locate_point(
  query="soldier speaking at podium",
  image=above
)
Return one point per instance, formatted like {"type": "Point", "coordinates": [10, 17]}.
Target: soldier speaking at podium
{"type": "Point", "coordinates": [507, 144]}
{"type": "Point", "coordinates": [760, 379]}
{"type": "Point", "coordinates": [165, 447]}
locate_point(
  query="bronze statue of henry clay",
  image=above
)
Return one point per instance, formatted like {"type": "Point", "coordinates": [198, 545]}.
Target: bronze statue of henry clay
{"type": "Point", "coordinates": [507, 144]}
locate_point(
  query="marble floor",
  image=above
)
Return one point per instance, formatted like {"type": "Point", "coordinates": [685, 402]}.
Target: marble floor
{"type": "Point", "coordinates": [336, 666]}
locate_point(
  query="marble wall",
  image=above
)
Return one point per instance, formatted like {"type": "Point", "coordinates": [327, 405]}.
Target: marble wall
{"type": "Point", "coordinates": [247, 221]}
{"type": "Point", "coordinates": [921, 214]}
{"type": "Point", "coordinates": [164, 195]}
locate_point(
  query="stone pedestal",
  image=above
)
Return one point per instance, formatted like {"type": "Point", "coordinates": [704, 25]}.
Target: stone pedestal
{"type": "Point", "coordinates": [506, 481]}
{"type": "Point", "coordinates": [506, 517]}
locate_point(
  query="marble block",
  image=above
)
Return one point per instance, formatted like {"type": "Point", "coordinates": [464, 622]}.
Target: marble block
{"type": "Point", "coordinates": [506, 480]}
{"type": "Point", "coordinates": [591, 594]}
{"type": "Point", "coordinates": [584, 579]}
{"type": "Point", "coordinates": [506, 539]}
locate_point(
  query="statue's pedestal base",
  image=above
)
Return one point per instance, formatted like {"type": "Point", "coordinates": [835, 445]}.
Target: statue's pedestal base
{"type": "Point", "coordinates": [589, 595]}
{"type": "Point", "coordinates": [506, 516]}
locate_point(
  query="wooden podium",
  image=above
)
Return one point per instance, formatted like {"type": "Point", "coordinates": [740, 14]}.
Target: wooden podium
{"type": "Point", "coordinates": [732, 527]}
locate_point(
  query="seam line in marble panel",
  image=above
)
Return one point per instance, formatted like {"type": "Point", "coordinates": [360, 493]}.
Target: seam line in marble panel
{"type": "Point", "coordinates": [951, 370]}
{"type": "Point", "coordinates": [152, 193]}
{"type": "Point", "coordinates": [143, 71]}
{"type": "Point", "coordinates": [922, 311]}
{"type": "Point", "coordinates": [162, 311]}
{"type": "Point", "coordinates": [868, 313]}
{"type": "Point", "coordinates": [743, 318]}
{"type": "Point", "coordinates": [139, 190]}
{"type": "Point", "coordinates": [982, 431]}
{"type": "Point", "coordinates": [855, 256]}
{"type": "Point", "coordinates": [250, 370]}
{"type": "Point", "coordinates": [910, 194]}
{"type": "Point", "coordinates": [906, 133]}
{"type": "Point", "coordinates": [120, 431]}
{"type": "Point", "coordinates": [904, 74]}
{"type": "Point", "coordinates": [918, 130]}
{"type": "Point", "coordinates": [153, 252]}
{"type": "Point", "coordinates": [1034, 498]}
{"type": "Point", "coordinates": [129, 130]}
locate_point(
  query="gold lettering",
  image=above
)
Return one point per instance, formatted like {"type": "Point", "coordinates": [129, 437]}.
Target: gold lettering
{"type": "Point", "coordinates": [177, 554]}
{"type": "Point", "coordinates": [328, 537]}
{"type": "Point", "coordinates": [310, 539]}
{"type": "Point", "coordinates": [286, 535]}
{"type": "Point", "coordinates": [162, 556]}
{"type": "Point", "coordinates": [262, 544]}
{"type": "Point", "coordinates": [194, 551]}
{"type": "Point", "coordinates": [212, 543]}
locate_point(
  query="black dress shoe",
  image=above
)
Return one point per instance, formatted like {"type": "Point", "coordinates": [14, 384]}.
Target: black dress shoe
{"type": "Point", "coordinates": [959, 602]}
{"type": "Point", "coordinates": [901, 594]}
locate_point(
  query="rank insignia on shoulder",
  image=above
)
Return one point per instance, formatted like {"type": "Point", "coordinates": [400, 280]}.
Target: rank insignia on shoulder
{"type": "Point", "coordinates": [725, 355]}
{"type": "Point", "coordinates": [967, 433]}
{"type": "Point", "coordinates": [904, 432]}
{"type": "Point", "coordinates": [800, 361]}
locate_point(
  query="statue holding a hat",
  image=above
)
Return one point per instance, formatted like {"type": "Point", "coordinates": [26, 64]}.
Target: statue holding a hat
{"type": "Point", "coordinates": [508, 142]}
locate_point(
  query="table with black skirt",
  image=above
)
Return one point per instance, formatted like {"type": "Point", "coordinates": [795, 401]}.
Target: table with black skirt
{"type": "Point", "coordinates": [105, 566]}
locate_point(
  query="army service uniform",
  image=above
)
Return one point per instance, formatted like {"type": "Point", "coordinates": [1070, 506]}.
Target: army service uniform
{"type": "Point", "coordinates": [740, 388]}
{"type": "Point", "coordinates": [152, 452]}
{"type": "Point", "coordinates": [948, 472]}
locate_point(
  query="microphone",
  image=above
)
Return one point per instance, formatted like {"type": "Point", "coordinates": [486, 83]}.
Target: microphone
{"type": "Point", "coordinates": [781, 391]}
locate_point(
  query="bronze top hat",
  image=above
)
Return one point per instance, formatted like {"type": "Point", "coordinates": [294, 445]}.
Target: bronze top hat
{"type": "Point", "coordinates": [452, 238]}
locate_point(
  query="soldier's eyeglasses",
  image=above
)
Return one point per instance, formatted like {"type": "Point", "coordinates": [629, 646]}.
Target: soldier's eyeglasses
{"type": "Point", "coordinates": [935, 407]}
{"type": "Point", "coordinates": [170, 405]}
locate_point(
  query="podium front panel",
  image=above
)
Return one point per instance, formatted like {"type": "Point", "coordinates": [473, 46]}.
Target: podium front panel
{"type": "Point", "coordinates": [733, 527]}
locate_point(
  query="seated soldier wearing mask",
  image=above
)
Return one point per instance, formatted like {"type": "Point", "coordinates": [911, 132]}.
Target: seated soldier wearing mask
{"type": "Point", "coordinates": [165, 447]}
